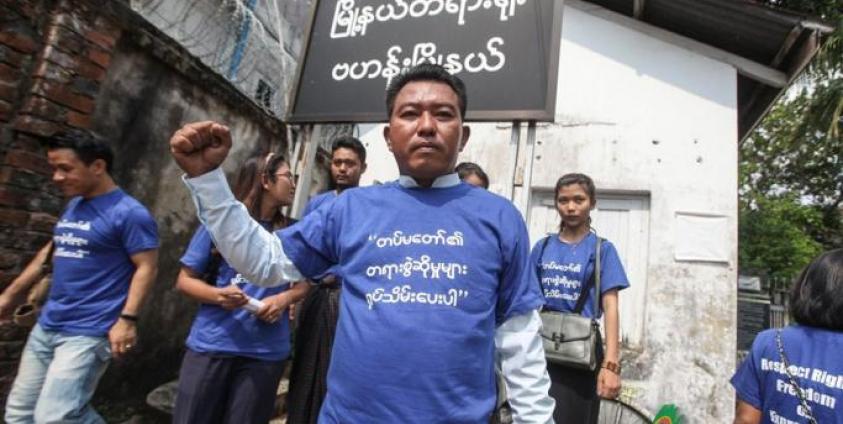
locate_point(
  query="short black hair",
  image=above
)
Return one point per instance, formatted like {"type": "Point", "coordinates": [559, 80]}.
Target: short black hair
{"type": "Point", "coordinates": [816, 299]}
{"type": "Point", "coordinates": [87, 146]}
{"type": "Point", "coordinates": [464, 169]}
{"type": "Point", "coordinates": [426, 72]}
{"type": "Point", "coordinates": [349, 142]}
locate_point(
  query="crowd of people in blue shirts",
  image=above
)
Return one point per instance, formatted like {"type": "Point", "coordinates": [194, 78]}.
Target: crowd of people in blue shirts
{"type": "Point", "coordinates": [416, 300]}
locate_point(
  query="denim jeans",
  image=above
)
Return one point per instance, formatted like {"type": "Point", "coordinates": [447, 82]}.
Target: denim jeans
{"type": "Point", "coordinates": [57, 376]}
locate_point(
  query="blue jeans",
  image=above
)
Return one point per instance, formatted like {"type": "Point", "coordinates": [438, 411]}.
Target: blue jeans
{"type": "Point", "coordinates": [57, 377]}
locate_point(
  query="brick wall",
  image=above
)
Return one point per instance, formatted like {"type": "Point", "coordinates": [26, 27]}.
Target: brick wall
{"type": "Point", "coordinates": [53, 57]}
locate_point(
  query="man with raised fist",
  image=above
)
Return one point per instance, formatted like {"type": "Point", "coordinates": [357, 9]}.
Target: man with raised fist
{"type": "Point", "coordinates": [436, 284]}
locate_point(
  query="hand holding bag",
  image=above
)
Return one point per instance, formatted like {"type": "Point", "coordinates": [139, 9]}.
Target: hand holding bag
{"type": "Point", "coordinates": [569, 338]}
{"type": "Point", "coordinates": [26, 315]}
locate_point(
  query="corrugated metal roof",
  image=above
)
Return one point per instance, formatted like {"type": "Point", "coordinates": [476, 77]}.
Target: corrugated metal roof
{"type": "Point", "coordinates": [775, 38]}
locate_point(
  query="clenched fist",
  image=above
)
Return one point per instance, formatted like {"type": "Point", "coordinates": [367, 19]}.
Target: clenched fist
{"type": "Point", "coordinates": [200, 147]}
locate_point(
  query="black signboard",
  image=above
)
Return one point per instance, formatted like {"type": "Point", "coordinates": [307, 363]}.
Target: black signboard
{"type": "Point", "coordinates": [506, 51]}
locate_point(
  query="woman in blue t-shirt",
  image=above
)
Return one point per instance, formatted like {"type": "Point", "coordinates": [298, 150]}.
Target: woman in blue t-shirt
{"type": "Point", "coordinates": [565, 263]}
{"type": "Point", "coordinates": [795, 374]}
{"type": "Point", "coordinates": [240, 337]}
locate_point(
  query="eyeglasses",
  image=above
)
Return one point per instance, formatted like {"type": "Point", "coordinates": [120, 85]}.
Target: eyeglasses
{"type": "Point", "coordinates": [288, 175]}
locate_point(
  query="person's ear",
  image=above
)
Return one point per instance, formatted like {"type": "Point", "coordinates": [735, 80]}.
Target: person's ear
{"type": "Point", "coordinates": [466, 132]}
{"type": "Point", "coordinates": [98, 167]}
{"type": "Point", "coordinates": [362, 169]}
{"type": "Point", "coordinates": [386, 137]}
{"type": "Point", "coordinates": [265, 181]}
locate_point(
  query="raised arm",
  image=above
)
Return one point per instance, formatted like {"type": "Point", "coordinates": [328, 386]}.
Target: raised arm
{"type": "Point", "coordinates": [199, 149]}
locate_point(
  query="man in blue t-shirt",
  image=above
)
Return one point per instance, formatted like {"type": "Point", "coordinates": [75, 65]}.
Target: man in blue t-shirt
{"type": "Point", "coordinates": [317, 318]}
{"type": "Point", "coordinates": [104, 256]}
{"type": "Point", "coordinates": [348, 163]}
{"type": "Point", "coordinates": [436, 284]}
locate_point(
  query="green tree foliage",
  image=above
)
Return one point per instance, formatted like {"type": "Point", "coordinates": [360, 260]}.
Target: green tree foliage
{"type": "Point", "coordinates": [775, 238]}
{"type": "Point", "coordinates": [791, 167]}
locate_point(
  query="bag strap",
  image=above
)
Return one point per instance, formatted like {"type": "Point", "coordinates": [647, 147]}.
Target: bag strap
{"type": "Point", "coordinates": [593, 280]}
{"type": "Point", "coordinates": [800, 393]}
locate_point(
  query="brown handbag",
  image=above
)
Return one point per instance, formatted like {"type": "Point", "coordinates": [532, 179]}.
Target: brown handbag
{"type": "Point", "coordinates": [26, 315]}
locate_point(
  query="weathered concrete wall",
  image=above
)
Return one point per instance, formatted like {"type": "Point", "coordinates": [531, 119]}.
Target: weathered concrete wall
{"type": "Point", "coordinates": [646, 117]}
{"type": "Point", "coordinates": [141, 103]}
{"type": "Point", "coordinates": [66, 64]}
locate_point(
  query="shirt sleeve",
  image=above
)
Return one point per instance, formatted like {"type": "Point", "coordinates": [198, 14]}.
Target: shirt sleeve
{"type": "Point", "coordinates": [140, 232]}
{"type": "Point", "coordinates": [197, 254]}
{"type": "Point", "coordinates": [612, 274]}
{"type": "Point", "coordinates": [747, 380]}
{"type": "Point", "coordinates": [518, 292]}
{"type": "Point", "coordinates": [241, 240]}
{"type": "Point", "coordinates": [311, 243]}
{"type": "Point", "coordinates": [520, 357]}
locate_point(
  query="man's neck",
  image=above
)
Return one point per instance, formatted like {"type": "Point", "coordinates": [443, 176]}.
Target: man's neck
{"type": "Point", "coordinates": [107, 185]}
{"type": "Point", "coordinates": [424, 182]}
{"type": "Point", "coordinates": [340, 189]}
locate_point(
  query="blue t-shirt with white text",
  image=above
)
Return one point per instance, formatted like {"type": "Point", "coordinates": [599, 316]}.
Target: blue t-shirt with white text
{"type": "Point", "coordinates": [92, 267]}
{"type": "Point", "coordinates": [565, 267]}
{"type": "Point", "coordinates": [815, 357]}
{"type": "Point", "coordinates": [238, 332]}
{"type": "Point", "coordinates": [428, 274]}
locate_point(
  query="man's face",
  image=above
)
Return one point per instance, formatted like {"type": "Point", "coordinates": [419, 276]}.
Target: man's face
{"type": "Point", "coordinates": [426, 131]}
{"type": "Point", "coordinates": [71, 175]}
{"type": "Point", "coordinates": [346, 168]}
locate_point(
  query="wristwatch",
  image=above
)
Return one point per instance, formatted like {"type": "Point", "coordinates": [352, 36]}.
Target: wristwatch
{"type": "Point", "coordinates": [129, 317]}
{"type": "Point", "coordinates": [612, 366]}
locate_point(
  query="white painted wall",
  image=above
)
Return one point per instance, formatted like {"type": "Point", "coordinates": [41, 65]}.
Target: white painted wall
{"type": "Point", "coordinates": [642, 116]}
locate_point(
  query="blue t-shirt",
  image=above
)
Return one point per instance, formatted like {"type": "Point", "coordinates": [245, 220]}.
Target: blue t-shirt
{"type": "Point", "coordinates": [428, 274]}
{"type": "Point", "coordinates": [565, 267]}
{"type": "Point", "coordinates": [325, 199]}
{"type": "Point", "coordinates": [816, 361]}
{"type": "Point", "coordinates": [239, 332]}
{"type": "Point", "coordinates": [319, 200]}
{"type": "Point", "coordinates": [92, 266]}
